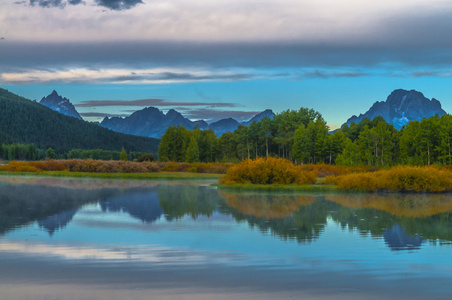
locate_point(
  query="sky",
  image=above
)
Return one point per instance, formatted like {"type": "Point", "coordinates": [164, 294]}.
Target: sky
{"type": "Point", "coordinates": [215, 59]}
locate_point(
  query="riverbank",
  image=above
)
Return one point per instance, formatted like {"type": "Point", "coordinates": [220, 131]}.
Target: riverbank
{"type": "Point", "coordinates": [155, 175]}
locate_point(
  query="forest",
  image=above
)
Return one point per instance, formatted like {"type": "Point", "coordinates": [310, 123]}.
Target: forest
{"type": "Point", "coordinates": [303, 137]}
{"type": "Point", "coordinates": [26, 122]}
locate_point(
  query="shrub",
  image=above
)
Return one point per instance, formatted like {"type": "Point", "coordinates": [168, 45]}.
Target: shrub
{"type": "Point", "coordinates": [267, 171]}
{"type": "Point", "coordinates": [19, 166]}
{"type": "Point", "coordinates": [400, 178]}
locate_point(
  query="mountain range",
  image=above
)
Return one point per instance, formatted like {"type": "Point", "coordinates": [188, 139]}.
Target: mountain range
{"type": "Point", "coordinates": [27, 122]}
{"type": "Point", "coordinates": [402, 106]}
{"type": "Point", "coordinates": [152, 122]}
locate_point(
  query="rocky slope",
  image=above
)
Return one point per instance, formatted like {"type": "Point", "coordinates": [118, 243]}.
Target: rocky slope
{"type": "Point", "coordinates": [151, 122]}
{"type": "Point", "coordinates": [60, 104]}
{"type": "Point", "coordinates": [400, 107]}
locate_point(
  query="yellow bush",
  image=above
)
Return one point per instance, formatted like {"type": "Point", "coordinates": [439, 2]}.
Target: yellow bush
{"type": "Point", "coordinates": [19, 166]}
{"type": "Point", "coordinates": [267, 171]}
{"type": "Point", "coordinates": [400, 178]}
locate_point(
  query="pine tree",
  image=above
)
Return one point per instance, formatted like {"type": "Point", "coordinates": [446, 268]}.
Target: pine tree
{"type": "Point", "coordinates": [123, 155]}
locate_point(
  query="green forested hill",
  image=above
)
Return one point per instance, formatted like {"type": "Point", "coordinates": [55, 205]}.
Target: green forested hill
{"type": "Point", "coordinates": [27, 122]}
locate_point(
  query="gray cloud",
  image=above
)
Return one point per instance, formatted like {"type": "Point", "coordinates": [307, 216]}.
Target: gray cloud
{"type": "Point", "coordinates": [101, 115]}
{"type": "Point", "coordinates": [47, 3]}
{"type": "Point", "coordinates": [2, 38]}
{"type": "Point", "coordinates": [110, 4]}
{"type": "Point", "coordinates": [172, 76]}
{"type": "Point", "coordinates": [118, 4]}
{"type": "Point", "coordinates": [220, 55]}
{"type": "Point", "coordinates": [150, 102]}
{"type": "Point", "coordinates": [325, 74]}
{"type": "Point", "coordinates": [430, 74]}
{"type": "Point", "coordinates": [211, 115]}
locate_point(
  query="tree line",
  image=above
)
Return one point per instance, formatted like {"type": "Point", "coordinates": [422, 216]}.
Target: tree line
{"type": "Point", "coordinates": [303, 137]}
{"type": "Point", "coordinates": [30, 152]}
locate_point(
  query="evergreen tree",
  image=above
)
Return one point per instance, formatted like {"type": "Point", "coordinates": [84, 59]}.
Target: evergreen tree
{"type": "Point", "coordinates": [123, 155]}
{"type": "Point", "coordinates": [50, 153]}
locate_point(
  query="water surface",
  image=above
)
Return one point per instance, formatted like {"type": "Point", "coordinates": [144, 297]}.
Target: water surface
{"type": "Point", "coordinates": [126, 239]}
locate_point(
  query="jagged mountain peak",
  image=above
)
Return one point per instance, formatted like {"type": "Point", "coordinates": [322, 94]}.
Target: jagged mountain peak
{"type": "Point", "coordinates": [54, 94]}
{"type": "Point", "coordinates": [60, 104]}
{"type": "Point", "coordinates": [402, 106]}
{"type": "Point", "coordinates": [266, 113]}
{"type": "Point", "coordinates": [152, 122]}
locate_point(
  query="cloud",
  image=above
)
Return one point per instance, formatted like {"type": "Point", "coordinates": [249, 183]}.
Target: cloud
{"type": "Point", "coordinates": [110, 4]}
{"type": "Point", "coordinates": [151, 102]}
{"type": "Point", "coordinates": [211, 115]}
{"type": "Point", "coordinates": [118, 4]}
{"type": "Point", "coordinates": [431, 74]}
{"type": "Point", "coordinates": [2, 38]}
{"type": "Point", "coordinates": [332, 74]}
{"type": "Point", "coordinates": [101, 115]}
{"type": "Point", "coordinates": [48, 3]}
{"type": "Point", "coordinates": [19, 75]}
{"type": "Point", "coordinates": [217, 55]}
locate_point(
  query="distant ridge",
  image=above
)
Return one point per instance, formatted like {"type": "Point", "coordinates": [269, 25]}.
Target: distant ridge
{"type": "Point", "coordinates": [27, 122]}
{"type": "Point", "coordinates": [402, 106]}
{"type": "Point", "coordinates": [151, 122]}
{"type": "Point", "coordinates": [60, 104]}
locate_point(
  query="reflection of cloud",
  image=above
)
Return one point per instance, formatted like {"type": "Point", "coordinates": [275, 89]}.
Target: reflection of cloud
{"type": "Point", "coordinates": [146, 254]}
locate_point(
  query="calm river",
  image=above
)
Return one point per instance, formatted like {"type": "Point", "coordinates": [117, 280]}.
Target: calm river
{"type": "Point", "coordinates": [126, 239]}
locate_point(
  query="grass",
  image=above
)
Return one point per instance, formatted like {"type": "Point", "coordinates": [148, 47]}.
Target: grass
{"type": "Point", "coordinates": [155, 175]}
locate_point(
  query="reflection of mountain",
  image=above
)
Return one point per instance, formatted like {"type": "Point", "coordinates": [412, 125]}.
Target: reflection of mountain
{"type": "Point", "coordinates": [428, 216]}
{"type": "Point", "coordinates": [400, 219]}
{"type": "Point", "coordinates": [57, 221]}
{"type": "Point", "coordinates": [22, 204]}
{"type": "Point", "coordinates": [141, 205]}
{"type": "Point", "coordinates": [397, 239]}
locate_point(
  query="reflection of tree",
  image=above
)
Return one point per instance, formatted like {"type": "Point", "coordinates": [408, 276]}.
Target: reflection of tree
{"type": "Point", "coordinates": [412, 217]}
{"type": "Point", "coordinates": [430, 216]}
{"type": "Point", "coordinates": [266, 206]}
{"type": "Point", "coordinates": [297, 217]}
{"type": "Point", "coordinates": [180, 200]}
{"type": "Point", "coordinates": [400, 205]}
{"type": "Point", "coordinates": [397, 218]}
{"type": "Point", "coordinates": [22, 204]}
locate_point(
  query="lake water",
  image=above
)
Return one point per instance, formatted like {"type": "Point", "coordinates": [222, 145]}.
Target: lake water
{"type": "Point", "coordinates": [101, 239]}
